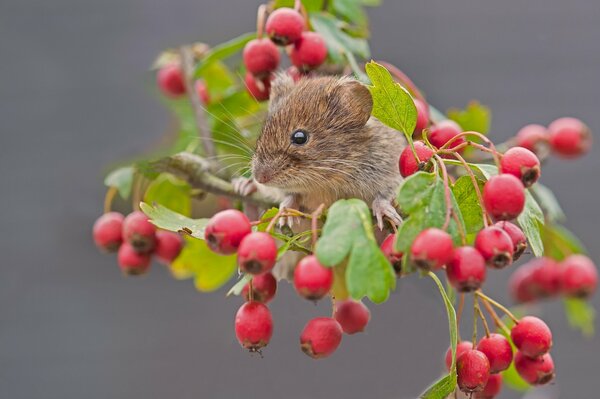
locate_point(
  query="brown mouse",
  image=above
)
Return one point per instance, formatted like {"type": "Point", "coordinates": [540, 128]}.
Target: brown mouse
{"type": "Point", "coordinates": [320, 144]}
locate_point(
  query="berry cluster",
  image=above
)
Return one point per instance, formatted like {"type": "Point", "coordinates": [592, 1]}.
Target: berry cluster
{"type": "Point", "coordinates": [171, 82]}
{"type": "Point", "coordinates": [135, 240]}
{"type": "Point", "coordinates": [566, 137]}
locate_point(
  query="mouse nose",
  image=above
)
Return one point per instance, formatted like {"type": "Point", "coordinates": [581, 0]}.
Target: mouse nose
{"type": "Point", "coordinates": [263, 175]}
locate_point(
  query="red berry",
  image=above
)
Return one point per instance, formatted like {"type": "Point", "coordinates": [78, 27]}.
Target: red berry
{"type": "Point", "coordinates": [132, 263]}
{"type": "Point", "coordinates": [466, 270]}
{"type": "Point", "coordinates": [569, 137]}
{"type": "Point", "coordinates": [395, 257]}
{"type": "Point", "coordinates": [107, 231]}
{"type": "Point", "coordinates": [520, 285]}
{"type": "Point", "coordinates": [432, 249]}
{"type": "Point", "coordinates": [504, 196]}
{"type": "Point", "coordinates": [353, 316]}
{"type": "Point", "coordinates": [473, 369]}
{"type": "Point", "coordinates": [168, 246]}
{"type": "Point", "coordinates": [579, 276]}
{"type": "Point", "coordinates": [264, 287]}
{"type": "Point", "coordinates": [253, 326]}
{"type": "Point", "coordinates": [532, 137]}
{"type": "Point", "coordinates": [422, 115]}
{"type": "Point", "coordinates": [295, 73]}
{"type": "Point", "coordinates": [321, 337]}
{"type": "Point", "coordinates": [495, 246]}
{"type": "Point", "coordinates": [545, 277]}
{"type": "Point", "coordinates": [442, 132]}
{"type": "Point", "coordinates": [308, 52]}
{"type": "Point", "coordinates": [532, 336]}
{"type": "Point", "coordinates": [408, 163]}
{"type": "Point", "coordinates": [139, 232]}
{"type": "Point", "coordinates": [536, 371]}
{"type": "Point", "coordinates": [492, 388]}
{"type": "Point", "coordinates": [258, 88]}
{"type": "Point", "coordinates": [225, 231]}
{"type": "Point", "coordinates": [202, 92]}
{"type": "Point", "coordinates": [285, 26]}
{"type": "Point", "coordinates": [170, 80]}
{"type": "Point", "coordinates": [261, 57]}
{"type": "Point", "coordinates": [257, 253]}
{"type": "Point", "coordinates": [521, 163]}
{"type": "Point", "coordinates": [498, 351]}
{"type": "Point", "coordinates": [516, 235]}
{"type": "Point", "coordinates": [461, 348]}
{"type": "Point", "coordinates": [312, 280]}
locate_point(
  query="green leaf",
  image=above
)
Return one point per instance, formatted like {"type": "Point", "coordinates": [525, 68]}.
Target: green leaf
{"type": "Point", "coordinates": [415, 191]}
{"type": "Point", "coordinates": [468, 202]}
{"type": "Point", "coordinates": [560, 242]}
{"type": "Point", "coordinates": [218, 78]}
{"type": "Point", "coordinates": [392, 104]}
{"type": "Point", "coordinates": [170, 192]}
{"type": "Point", "coordinates": [475, 117]}
{"type": "Point", "coordinates": [581, 315]}
{"type": "Point", "coordinates": [239, 286]}
{"type": "Point", "coordinates": [513, 380]}
{"type": "Point", "coordinates": [337, 40]}
{"type": "Point", "coordinates": [348, 234]}
{"type": "Point", "coordinates": [531, 221]}
{"type": "Point", "coordinates": [548, 202]}
{"type": "Point", "coordinates": [310, 5]}
{"type": "Point", "coordinates": [121, 179]}
{"type": "Point", "coordinates": [223, 51]}
{"type": "Point", "coordinates": [166, 219]}
{"type": "Point", "coordinates": [351, 10]}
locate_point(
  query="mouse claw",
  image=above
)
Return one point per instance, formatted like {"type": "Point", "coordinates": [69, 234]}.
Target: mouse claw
{"type": "Point", "coordinates": [289, 202]}
{"type": "Point", "coordinates": [384, 208]}
{"type": "Point", "coordinates": [244, 186]}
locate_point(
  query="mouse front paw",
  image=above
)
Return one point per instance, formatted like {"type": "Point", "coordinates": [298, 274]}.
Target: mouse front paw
{"type": "Point", "coordinates": [384, 208]}
{"type": "Point", "coordinates": [244, 186]}
{"type": "Point", "coordinates": [289, 202]}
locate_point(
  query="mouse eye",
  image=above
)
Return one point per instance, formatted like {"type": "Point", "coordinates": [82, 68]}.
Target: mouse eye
{"type": "Point", "coordinates": [299, 137]}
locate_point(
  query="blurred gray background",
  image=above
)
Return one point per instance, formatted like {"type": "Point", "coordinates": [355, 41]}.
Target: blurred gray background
{"type": "Point", "coordinates": [75, 97]}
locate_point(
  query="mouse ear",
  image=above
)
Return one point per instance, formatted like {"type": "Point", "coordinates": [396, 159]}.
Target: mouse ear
{"type": "Point", "coordinates": [356, 100]}
{"type": "Point", "coordinates": [281, 86]}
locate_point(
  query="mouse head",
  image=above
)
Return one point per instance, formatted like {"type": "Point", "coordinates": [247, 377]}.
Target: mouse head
{"type": "Point", "coordinates": [312, 129]}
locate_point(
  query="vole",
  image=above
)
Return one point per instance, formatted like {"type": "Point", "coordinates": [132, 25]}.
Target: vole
{"type": "Point", "coordinates": [320, 144]}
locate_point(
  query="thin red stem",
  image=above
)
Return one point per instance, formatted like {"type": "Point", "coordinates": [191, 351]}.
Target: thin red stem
{"type": "Point", "coordinates": [447, 193]}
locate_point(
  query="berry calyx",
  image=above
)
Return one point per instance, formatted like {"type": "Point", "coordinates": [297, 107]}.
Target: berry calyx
{"type": "Point", "coordinates": [259, 88]}
{"type": "Point", "coordinates": [168, 246]}
{"type": "Point", "coordinates": [521, 163]}
{"type": "Point", "coordinates": [466, 270]}
{"type": "Point", "coordinates": [311, 279]}
{"type": "Point", "coordinates": [569, 137]}
{"type": "Point", "coordinates": [492, 388]}
{"type": "Point", "coordinates": [473, 371]}
{"type": "Point", "coordinates": [536, 371]}
{"type": "Point", "coordinates": [225, 230]}
{"type": "Point", "coordinates": [498, 351]}
{"type": "Point", "coordinates": [395, 257]}
{"type": "Point", "coordinates": [170, 80]}
{"type": "Point", "coordinates": [496, 247]}
{"type": "Point", "coordinates": [516, 235]}
{"type": "Point", "coordinates": [533, 137]}
{"type": "Point", "coordinates": [532, 336]}
{"type": "Point", "coordinates": [132, 262]}
{"type": "Point", "coordinates": [257, 253]}
{"type": "Point", "coordinates": [309, 51]}
{"type": "Point", "coordinates": [264, 287]}
{"type": "Point", "coordinates": [253, 326]}
{"type": "Point", "coordinates": [504, 197]}
{"type": "Point", "coordinates": [107, 231]}
{"type": "Point", "coordinates": [443, 131]}
{"type": "Point", "coordinates": [579, 276]}
{"type": "Point", "coordinates": [461, 348]}
{"type": "Point", "coordinates": [320, 337]}
{"type": "Point", "coordinates": [202, 92]}
{"type": "Point", "coordinates": [261, 57]}
{"type": "Point", "coordinates": [422, 115]}
{"type": "Point", "coordinates": [353, 316]}
{"type": "Point", "coordinates": [285, 26]}
{"type": "Point", "coordinates": [408, 163]}
{"type": "Point", "coordinates": [139, 232]}
{"type": "Point", "coordinates": [432, 249]}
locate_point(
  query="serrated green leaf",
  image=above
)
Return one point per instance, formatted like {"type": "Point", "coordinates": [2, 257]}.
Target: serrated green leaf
{"type": "Point", "coordinates": [392, 104]}
{"type": "Point", "coordinates": [166, 219]}
{"type": "Point", "coordinates": [337, 40]}
{"type": "Point", "coordinates": [121, 179]}
{"type": "Point", "coordinates": [531, 221]}
{"type": "Point", "coordinates": [416, 191]}
{"type": "Point", "coordinates": [475, 117]}
{"type": "Point", "coordinates": [170, 192]}
{"type": "Point", "coordinates": [223, 51]}
{"type": "Point", "coordinates": [581, 315]}
{"type": "Point", "coordinates": [468, 202]}
{"type": "Point", "coordinates": [548, 202]}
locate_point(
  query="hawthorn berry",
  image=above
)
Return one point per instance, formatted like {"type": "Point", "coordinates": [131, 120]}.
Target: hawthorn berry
{"type": "Point", "coordinates": [461, 348]}
{"type": "Point", "coordinates": [395, 257]}
{"type": "Point", "coordinates": [432, 249]}
{"type": "Point", "coordinates": [444, 131]}
{"type": "Point", "coordinates": [257, 253]}
{"type": "Point", "coordinates": [353, 316]}
{"type": "Point", "coordinates": [258, 88]}
{"type": "Point", "coordinates": [569, 137]}
{"type": "Point", "coordinates": [532, 336]}
{"type": "Point", "coordinates": [516, 235]}
{"type": "Point", "coordinates": [466, 270]}
{"type": "Point", "coordinates": [202, 91]}
{"type": "Point", "coordinates": [536, 371]}
{"type": "Point", "coordinates": [532, 137]}
{"type": "Point", "coordinates": [496, 247]}
{"type": "Point", "coordinates": [253, 325]}
{"type": "Point", "coordinates": [132, 262]}
{"type": "Point", "coordinates": [225, 230]}
{"type": "Point", "coordinates": [504, 196]}
{"type": "Point", "coordinates": [545, 277]}
{"type": "Point", "coordinates": [422, 115]}
{"type": "Point", "coordinates": [264, 287]}
{"type": "Point", "coordinates": [492, 388]}
{"type": "Point", "coordinates": [473, 371]}
{"type": "Point", "coordinates": [408, 162]}
{"type": "Point", "coordinates": [139, 232]}
{"type": "Point", "coordinates": [579, 276]}
{"type": "Point", "coordinates": [108, 231]}
{"type": "Point", "coordinates": [519, 285]}
{"type": "Point", "coordinates": [170, 80]}
{"type": "Point", "coordinates": [320, 337]}
{"type": "Point", "coordinates": [311, 279]}
{"type": "Point", "coordinates": [498, 351]}
{"type": "Point", "coordinates": [261, 57]}
{"type": "Point", "coordinates": [521, 163]}
{"type": "Point", "coordinates": [308, 52]}
{"type": "Point", "coordinates": [168, 246]}
{"type": "Point", "coordinates": [285, 26]}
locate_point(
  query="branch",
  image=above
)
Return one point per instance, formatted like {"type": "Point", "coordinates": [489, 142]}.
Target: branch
{"type": "Point", "coordinates": [196, 171]}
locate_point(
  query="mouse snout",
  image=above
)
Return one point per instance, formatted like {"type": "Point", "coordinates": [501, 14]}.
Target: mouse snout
{"type": "Point", "coordinates": [263, 175]}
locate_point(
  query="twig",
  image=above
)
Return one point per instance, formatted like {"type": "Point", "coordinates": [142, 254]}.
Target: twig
{"type": "Point", "coordinates": [447, 194]}
{"type": "Point", "coordinates": [313, 224]}
{"type": "Point", "coordinates": [108, 198]}
{"type": "Point", "coordinates": [498, 305]}
{"type": "Point", "coordinates": [497, 320]}
{"type": "Point", "coordinates": [482, 317]}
